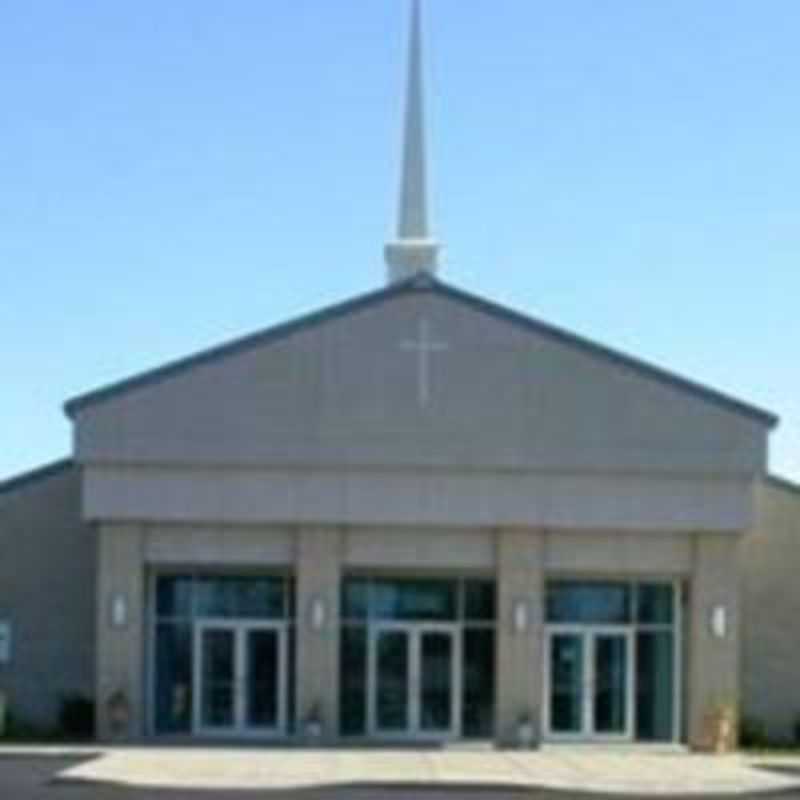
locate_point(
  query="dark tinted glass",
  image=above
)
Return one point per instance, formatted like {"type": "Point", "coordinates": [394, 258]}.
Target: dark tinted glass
{"type": "Point", "coordinates": [173, 658]}
{"type": "Point", "coordinates": [353, 681]}
{"type": "Point", "coordinates": [479, 683]}
{"type": "Point", "coordinates": [393, 667]}
{"type": "Point", "coordinates": [598, 603]}
{"type": "Point", "coordinates": [246, 598]}
{"type": "Point", "coordinates": [355, 598]}
{"type": "Point", "coordinates": [655, 604]}
{"type": "Point", "coordinates": [174, 596]}
{"type": "Point", "coordinates": [414, 599]}
{"type": "Point", "coordinates": [479, 600]}
{"type": "Point", "coordinates": [655, 686]}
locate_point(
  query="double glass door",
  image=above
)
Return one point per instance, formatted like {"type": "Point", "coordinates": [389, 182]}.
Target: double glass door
{"type": "Point", "coordinates": [239, 679]}
{"type": "Point", "coordinates": [414, 681]}
{"type": "Point", "coordinates": [589, 684]}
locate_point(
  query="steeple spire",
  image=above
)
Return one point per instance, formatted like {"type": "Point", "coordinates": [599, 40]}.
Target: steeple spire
{"type": "Point", "coordinates": [413, 251]}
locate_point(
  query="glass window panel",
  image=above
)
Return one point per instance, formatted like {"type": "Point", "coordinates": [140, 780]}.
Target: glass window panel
{"type": "Point", "coordinates": [263, 671]}
{"type": "Point", "coordinates": [218, 678]}
{"type": "Point", "coordinates": [414, 599]}
{"type": "Point", "coordinates": [241, 598]}
{"type": "Point", "coordinates": [392, 694]}
{"type": "Point", "coordinates": [173, 661]}
{"type": "Point", "coordinates": [610, 684]}
{"type": "Point", "coordinates": [479, 683]}
{"type": "Point", "coordinates": [262, 598]}
{"type": "Point", "coordinates": [589, 603]}
{"type": "Point", "coordinates": [655, 685]}
{"type": "Point", "coordinates": [353, 680]}
{"type": "Point", "coordinates": [436, 676]}
{"type": "Point", "coordinates": [216, 597]}
{"type": "Point", "coordinates": [655, 603]}
{"type": "Point", "coordinates": [566, 683]}
{"type": "Point", "coordinates": [174, 596]}
{"type": "Point", "coordinates": [479, 600]}
{"type": "Point", "coordinates": [355, 598]}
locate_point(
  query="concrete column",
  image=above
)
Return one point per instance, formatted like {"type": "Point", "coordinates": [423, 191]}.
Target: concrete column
{"type": "Point", "coordinates": [713, 661]}
{"type": "Point", "coordinates": [520, 584]}
{"type": "Point", "coordinates": [120, 642]}
{"type": "Point", "coordinates": [318, 565]}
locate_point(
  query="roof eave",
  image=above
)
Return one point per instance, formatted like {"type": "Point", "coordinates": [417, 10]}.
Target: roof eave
{"type": "Point", "coordinates": [426, 282]}
{"type": "Point", "coordinates": [77, 404]}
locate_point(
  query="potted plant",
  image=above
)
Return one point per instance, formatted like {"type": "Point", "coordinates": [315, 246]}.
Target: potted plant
{"type": "Point", "coordinates": [720, 734]}
{"type": "Point", "coordinates": [526, 730]}
{"type": "Point", "coordinates": [312, 724]}
{"type": "Point", "coordinates": [119, 713]}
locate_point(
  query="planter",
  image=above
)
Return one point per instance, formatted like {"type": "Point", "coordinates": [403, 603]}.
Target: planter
{"type": "Point", "coordinates": [119, 714]}
{"type": "Point", "coordinates": [525, 735]}
{"type": "Point", "coordinates": [720, 734]}
{"type": "Point", "coordinates": [313, 731]}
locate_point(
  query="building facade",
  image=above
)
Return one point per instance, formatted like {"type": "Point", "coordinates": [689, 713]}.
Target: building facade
{"type": "Point", "coordinates": [413, 517]}
{"type": "Point", "coordinates": [312, 528]}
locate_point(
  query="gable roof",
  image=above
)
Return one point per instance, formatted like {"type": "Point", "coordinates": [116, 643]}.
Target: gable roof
{"type": "Point", "coordinates": [424, 283]}
{"type": "Point", "coordinates": [783, 483]}
{"type": "Point", "coordinates": [38, 474]}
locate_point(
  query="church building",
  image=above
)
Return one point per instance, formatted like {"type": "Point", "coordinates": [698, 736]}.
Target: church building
{"type": "Point", "coordinates": [414, 517]}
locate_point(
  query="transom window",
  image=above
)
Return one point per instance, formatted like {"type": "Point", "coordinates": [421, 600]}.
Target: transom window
{"type": "Point", "coordinates": [610, 603]}
{"type": "Point", "coordinates": [415, 600]}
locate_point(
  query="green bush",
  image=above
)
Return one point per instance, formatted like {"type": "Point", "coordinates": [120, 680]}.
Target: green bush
{"type": "Point", "coordinates": [76, 717]}
{"type": "Point", "coordinates": [753, 733]}
{"type": "Point", "coordinates": [19, 730]}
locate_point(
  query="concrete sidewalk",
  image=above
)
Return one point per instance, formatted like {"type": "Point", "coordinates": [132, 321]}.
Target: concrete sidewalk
{"type": "Point", "coordinates": [627, 771]}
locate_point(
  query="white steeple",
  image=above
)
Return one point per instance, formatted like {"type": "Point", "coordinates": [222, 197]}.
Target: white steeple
{"type": "Point", "coordinates": [413, 251]}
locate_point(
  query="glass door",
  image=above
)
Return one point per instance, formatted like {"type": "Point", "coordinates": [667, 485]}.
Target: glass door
{"type": "Point", "coordinates": [240, 679]}
{"type": "Point", "coordinates": [566, 715]}
{"type": "Point", "coordinates": [391, 682]}
{"type": "Point", "coordinates": [589, 684]}
{"type": "Point", "coordinates": [414, 681]}
{"type": "Point", "coordinates": [438, 691]}
{"type": "Point", "coordinates": [612, 685]}
{"type": "Point", "coordinates": [264, 679]}
{"type": "Point", "coordinates": [216, 682]}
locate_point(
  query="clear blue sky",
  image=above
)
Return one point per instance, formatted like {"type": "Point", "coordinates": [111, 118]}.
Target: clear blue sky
{"type": "Point", "coordinates": [174, 174]}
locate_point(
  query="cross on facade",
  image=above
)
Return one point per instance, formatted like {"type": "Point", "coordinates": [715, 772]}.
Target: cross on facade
{"type": "Point", "coordinates": [424, 346]}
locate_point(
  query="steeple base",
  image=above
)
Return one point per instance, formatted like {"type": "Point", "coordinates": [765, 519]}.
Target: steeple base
{"type": "Point", "coordinates": [409, 257]}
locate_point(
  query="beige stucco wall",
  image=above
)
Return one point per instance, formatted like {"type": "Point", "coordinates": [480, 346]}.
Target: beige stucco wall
{"type": "Point", "coordinates": [47, 571]}
{"type": "Point", "coordinates": [771, 600]}
{"type": "Point", "coordinates": [121, 649]}
{"type": "Point", "coordinates": [521, 559]}
{"type": "Point", "coordinates": [318, 570]}
{"type": "Point", "coordinates": [344, 394]}
{"type": "Point", "coordinates": [520, 581]}
{"type": "Point", "coordinates": [713, 662]}
{"type": "Point", "coordinates": [475, 498]}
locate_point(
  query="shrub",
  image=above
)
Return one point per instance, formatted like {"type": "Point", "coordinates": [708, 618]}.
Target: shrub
{"type": "Point", "coordinates": [753, 733]}
{"type": "Point", "coordinates": [20, 730]}
{"type": "Point", "coordinates": [76, 717]}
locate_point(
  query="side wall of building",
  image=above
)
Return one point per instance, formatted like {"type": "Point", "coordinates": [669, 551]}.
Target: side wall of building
{"type": "Point", "coordinates": [47, 580]}
{"type": "Point", "coordinates": [771, 599]}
